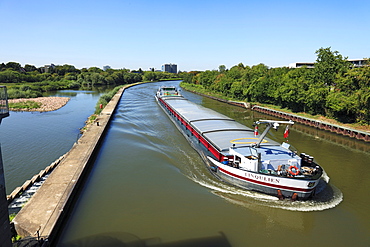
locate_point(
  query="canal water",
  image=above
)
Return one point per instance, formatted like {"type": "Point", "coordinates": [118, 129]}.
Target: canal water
{"type": "Point", "coordinates": [149, 187]}
{"type": "Point", "coordinates": [30, 141]}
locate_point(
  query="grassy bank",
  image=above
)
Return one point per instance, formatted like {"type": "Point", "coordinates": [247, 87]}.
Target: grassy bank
{"type": "Point", "coordinates": [105, 98]}
{"type": "Point", "coordinates": [29, 104]}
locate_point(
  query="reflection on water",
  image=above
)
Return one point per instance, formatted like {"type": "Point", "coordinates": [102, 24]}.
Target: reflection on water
{"type": "Point", "coordinates": [149, 182]}
{"type": "Point", "coordinates": [30, 141]}
{"type": "Point", "coordinates": [130, 240]}
{"type": "Point", "coordinates": [345, 142]}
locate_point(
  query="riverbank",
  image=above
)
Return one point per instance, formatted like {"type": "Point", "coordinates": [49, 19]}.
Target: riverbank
{"type": "Point", "coordinates": [359, 132]}
{"type": "Point", "coordinates": [201, 91]}
{"type": "Point", "coordinates": [44, 104]}
{"type": "Point", "coordinates": [46, 210]}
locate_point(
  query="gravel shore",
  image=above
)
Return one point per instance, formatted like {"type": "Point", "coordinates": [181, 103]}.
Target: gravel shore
{"type": "Point", "coordinates": [47, 103]}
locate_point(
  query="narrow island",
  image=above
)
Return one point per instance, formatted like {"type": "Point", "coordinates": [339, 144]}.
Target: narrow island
{"type": "Point", "coordinates": [41, 104]}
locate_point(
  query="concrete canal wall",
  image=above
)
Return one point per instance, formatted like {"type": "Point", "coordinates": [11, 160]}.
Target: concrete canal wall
{"type": "Point", "coordinates": [20, 190]}
{"type": "Point", "coordinates": [43, 214]}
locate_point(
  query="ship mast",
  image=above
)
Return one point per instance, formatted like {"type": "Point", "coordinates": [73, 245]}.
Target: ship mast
{"type": "Point", "coordinates": [270, 124]}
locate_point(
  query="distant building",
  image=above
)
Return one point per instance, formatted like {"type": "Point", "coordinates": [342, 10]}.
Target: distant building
{"type": "Point", "coordinates": [47, 68]}
{"type": "Point", "coordinates": [358, 62]}
{"type": "Point", "coordinates": [171, 68]}
{"type": "Point", "coordinates": [106, 67]}
{"type": "Point", "coordinates": [299, 65]}
{"type": "Point", "coordinates": [355, 62]}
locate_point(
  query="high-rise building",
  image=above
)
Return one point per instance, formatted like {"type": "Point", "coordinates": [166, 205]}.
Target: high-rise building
{"type": "Point", "coordinates": [171, 68]}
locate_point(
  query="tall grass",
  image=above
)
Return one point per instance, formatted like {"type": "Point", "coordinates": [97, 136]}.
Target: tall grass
{"type": "Point", "coordinates": [104, 99]}
{"type": "Point", "coordinates": [29, 104]}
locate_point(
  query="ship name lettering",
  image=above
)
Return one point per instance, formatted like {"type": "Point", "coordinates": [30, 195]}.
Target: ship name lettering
{"type": "Point", "coordinates": [263, 178]}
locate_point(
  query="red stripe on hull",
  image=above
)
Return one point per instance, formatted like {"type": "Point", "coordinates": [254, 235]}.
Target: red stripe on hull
{"type": "Point", "coordinates": [264, 183]}
{"type": "Point", "coordinates": [201, 139]}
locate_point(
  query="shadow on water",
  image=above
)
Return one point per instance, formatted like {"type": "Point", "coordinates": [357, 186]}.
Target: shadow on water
{"type": "Point", "coordinates": [116, 239]}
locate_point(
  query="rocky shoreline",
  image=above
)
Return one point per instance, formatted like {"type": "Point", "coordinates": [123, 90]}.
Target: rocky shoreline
{"type": "Point", "coordinates": [47, 103]}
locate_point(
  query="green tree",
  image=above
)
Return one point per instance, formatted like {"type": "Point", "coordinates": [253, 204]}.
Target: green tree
{"type": "Point", "coordinates": [328, 65]}
{"type": "Point", "coordinates": [149, 76]}
{"type": "Point", "coordinates": [363, 111]}
{"type": "Point", "coordinates": [95, 70]}
{"type": "Point", "coordinates": [222, 83]}
{"type": "Point", "coordinates": [342, 106]}
{"type": "Point", "coordinates": [30, 68]}
{"type": "Point", "coordinates": [13, 66]}
{"type": "Point", "coordinates": [292, 91]}
{"type": "Point", "coordinates": [10, 76]}
{"type": "Point", "coordinates": [236, 90]}
{"type": "Point", "coordinates": [206, 78]}
{"type": "Point", "coordinates": [64, 69]}
{"type": "Point", "coordinates": [222, 68]}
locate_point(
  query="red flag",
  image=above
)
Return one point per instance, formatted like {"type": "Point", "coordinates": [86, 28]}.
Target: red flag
{"type": "Point", "coordinates": [256, 130]}
{"type": "Point", "coordinates": [286, 132]}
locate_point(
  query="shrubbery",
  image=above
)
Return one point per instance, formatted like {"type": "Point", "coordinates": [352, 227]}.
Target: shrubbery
{"type": "Point", "coordinates": [14, 93]}
{"type": "Point", "coordinates": [105, 98]}
{"type": "Point", "coordinates": [30, 82]}
{"type": "Point", "coordinates": [29, 104]}
{"type": "Point", "coordinates": [334, 88]}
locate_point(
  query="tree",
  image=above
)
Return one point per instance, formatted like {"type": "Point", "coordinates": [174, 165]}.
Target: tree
{"type": "Point", "coordinates": [95, 70]}
{"type": "Point", "coordinates": [342, 106]}
{"type": "Point", "coordinates": [64, 69]}
{"type": "Point", "coordinates": [328, 65]}
{"type": "Point", "coordinates": [10, 76]}
{"type": "Point", "coordinates": [206, 78]}
{"type": "Point", "coordinates": [292, 91]}
{"type": "Point", "coordinates": [14, 66]}
{"type": "Point", "coordinates": [236, 90]}
{"type": "Point", "coordinates": [222, 83]}
{"type": "Point", "coordinates": [363, 113]}
{"type": "Point", "coordinates": [149, 76]}
{"type": "Point", "coordinates": [30, 68]}
{"type": "Point", "coordinates": [222, 68]}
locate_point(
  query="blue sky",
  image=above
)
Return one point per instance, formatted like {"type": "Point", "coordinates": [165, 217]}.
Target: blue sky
{"type": "Point", "coordinates": [195, 35]}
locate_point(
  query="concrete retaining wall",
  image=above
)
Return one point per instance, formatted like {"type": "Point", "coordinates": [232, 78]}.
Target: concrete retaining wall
{"type": "Point", "coordinates": [44, 213]}
{"type": "Point", "coordinates": [19, 190]}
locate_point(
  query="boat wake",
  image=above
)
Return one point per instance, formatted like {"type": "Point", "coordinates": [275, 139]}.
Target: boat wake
{"type": "Point", "coordinates": [327, 196]}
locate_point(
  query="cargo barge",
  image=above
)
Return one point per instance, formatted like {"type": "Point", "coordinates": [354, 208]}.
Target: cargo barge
{"type": "Point", "coordinates": [235, 154]}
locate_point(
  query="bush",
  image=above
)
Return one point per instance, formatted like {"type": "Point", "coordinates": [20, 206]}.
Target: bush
{"type": "Point", "coordinates": [29, 104]}
{"type": "Point", "coordinates": [14, 93]}
{"type": "Point", "coordinates": [104, 99]}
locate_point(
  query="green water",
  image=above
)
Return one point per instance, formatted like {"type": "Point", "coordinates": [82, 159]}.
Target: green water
{"type": "Point", "coordinates": [148, 187]}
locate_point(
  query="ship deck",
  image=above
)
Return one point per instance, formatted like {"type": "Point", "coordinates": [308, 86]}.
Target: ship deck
{"type": "Point", "coordinates": [222, 131]}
